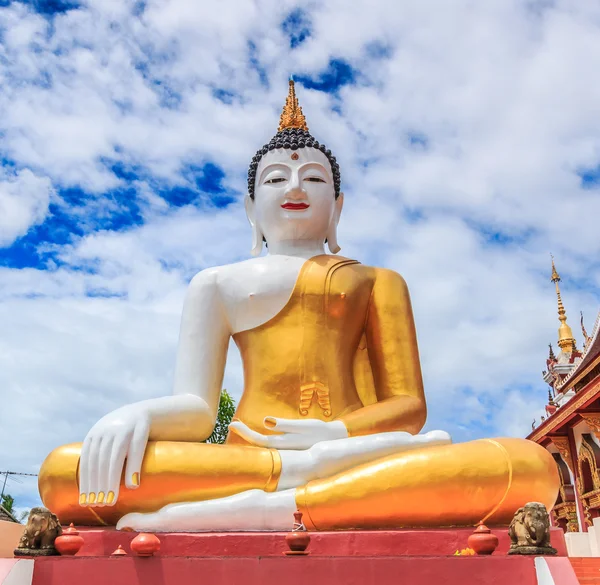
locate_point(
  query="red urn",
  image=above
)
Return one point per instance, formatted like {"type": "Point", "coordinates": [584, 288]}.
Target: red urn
{"type": "Point", "coordinates": [145, 544]}
{"type": "Point", "coordinates": [298, 539]}
{"type": "Point", "coordinates": [482, 541]}
{"type": "Point", "coordinates": [69, 542]}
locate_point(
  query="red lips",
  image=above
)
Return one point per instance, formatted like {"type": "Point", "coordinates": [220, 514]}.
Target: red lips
{"type": "Point", "coordinates": [295, 206]}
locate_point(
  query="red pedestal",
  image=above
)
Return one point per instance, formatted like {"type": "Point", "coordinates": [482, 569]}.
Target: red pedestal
{"type": "Point", "coordinates": [410, 557]}
{"type": "Point", "coordinates": [501, 570]}
{"type": "Point", "coordinates": [413, 542]}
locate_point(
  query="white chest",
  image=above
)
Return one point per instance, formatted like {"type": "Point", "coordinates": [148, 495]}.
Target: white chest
{"type": "Point", "coordinates": [253, 292]}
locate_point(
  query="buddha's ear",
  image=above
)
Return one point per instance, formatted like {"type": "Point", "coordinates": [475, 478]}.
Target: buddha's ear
{"type": "Point", "coordinates": [332, 240]}
{"type": "Point", "coordinates": [257, 235]}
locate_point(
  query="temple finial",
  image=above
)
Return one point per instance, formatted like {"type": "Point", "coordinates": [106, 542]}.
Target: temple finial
{"type": "Point", "coordinates": [551, 355]}
{"type": "Point", "coordinates": [550, 398]}
{"type": "Point", "coordinates": [566, 341]}
{"type": "Point", "coordinates": [292, 116]}
{"type": "Point", "coordinates": [555, 277]}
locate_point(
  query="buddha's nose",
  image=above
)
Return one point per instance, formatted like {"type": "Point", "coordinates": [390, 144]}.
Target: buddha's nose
{"type": "Point", "coordinates": [295, 190]}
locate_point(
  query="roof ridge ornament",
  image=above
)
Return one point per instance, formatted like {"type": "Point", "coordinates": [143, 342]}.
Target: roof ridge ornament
{"type": "Point", "coordinates": [292, 116]}
{"type": "Point", "coordinates": [586, 337]}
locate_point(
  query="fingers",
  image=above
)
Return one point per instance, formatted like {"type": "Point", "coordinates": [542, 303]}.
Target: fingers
{"type": "Point", "coordinates": [84, 465]}
{"type": "Point", "coordinates": [286, 425]}
{"type": "Point", "coordinates": [103, 467]}
{"type": "Point", "coordinates": [135, 454]}
{"type": "Point", "coordinates": [117, 459]}
{"type": "Point", "coordinates": [249, 435]}
{"type": "Point", "coordinates": [287, 440]}
{"type": "Point", "coordinates": [92, 470]}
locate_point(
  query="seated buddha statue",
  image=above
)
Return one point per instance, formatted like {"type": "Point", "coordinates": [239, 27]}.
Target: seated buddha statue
{"type": "Point", "coordinates": [332, 403]}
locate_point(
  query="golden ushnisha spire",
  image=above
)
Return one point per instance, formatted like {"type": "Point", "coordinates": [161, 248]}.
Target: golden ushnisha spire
{"type": "Point", "coordinates": [292, 116]}
{"type": "Point", "coordinates": [566, 341]}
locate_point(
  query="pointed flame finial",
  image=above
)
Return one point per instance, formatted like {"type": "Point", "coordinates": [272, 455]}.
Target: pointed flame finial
{"type": "Point", "coordinates": [292, 116]}
{"type": "Point", "coordinates": [566, 341]}
{"type": "Point", "coordinates": [555, 276]}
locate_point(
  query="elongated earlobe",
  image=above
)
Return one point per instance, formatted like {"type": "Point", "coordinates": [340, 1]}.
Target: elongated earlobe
{"type": "Point", "coordinates": [332, 239]}
{"type": "Point", "coordinates": [257, 235]}
{"type": "Point", "coordinates": [257, 241]}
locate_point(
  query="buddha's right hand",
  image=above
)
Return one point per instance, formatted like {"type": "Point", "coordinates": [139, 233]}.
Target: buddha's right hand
{"type": "Point", "coordinates": [121, 434]}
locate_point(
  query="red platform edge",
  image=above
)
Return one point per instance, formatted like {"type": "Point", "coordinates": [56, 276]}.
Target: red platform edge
{"type": "Point", "coordinates": [384, 543]}
{"type": "Point", "coordinates": [315, 570]}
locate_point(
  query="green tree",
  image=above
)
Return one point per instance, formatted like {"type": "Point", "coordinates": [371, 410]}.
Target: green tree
{"type": "Point", "coordinates": [224, 416]}
{"type": "Point", "coordinates": [8, 503]}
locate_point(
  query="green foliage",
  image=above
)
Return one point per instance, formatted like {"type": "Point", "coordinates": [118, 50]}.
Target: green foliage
{"type": "Point", "coordinates": [224, 416]}
{"type": "Point", "coordinates": [8, 503]}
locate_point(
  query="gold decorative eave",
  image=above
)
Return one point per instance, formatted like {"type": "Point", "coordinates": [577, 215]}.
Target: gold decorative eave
{"type": "Point", "coordinates": [580, 400]}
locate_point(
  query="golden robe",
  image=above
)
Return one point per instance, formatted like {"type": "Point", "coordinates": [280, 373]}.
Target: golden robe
{"type": "Point", "coordinates": [343, 348]}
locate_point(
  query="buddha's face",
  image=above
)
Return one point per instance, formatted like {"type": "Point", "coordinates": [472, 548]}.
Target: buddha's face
{"type": "Point", "coordinates": [294, 196]}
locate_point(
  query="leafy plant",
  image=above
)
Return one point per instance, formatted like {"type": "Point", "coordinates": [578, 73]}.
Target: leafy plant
{"type": "Point", "coordinates": [8, 503]}
{"type": "Point", "coordinates": [224, 416]}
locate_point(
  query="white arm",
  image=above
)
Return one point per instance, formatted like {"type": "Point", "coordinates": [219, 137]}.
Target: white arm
{"type": "Point", "coordinates": [201, 357]}
{"type": "Point", "coordinates": [188, 415]}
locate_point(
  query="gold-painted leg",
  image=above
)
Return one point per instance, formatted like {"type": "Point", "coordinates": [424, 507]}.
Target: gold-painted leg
{"type": "Point", "coordinates": [171, 472]}
{"type": "Point", "coordinates": [449, 485]}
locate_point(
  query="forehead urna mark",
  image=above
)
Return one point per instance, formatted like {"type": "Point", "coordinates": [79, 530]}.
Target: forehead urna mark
{"type": "Point", "coordinates": [295, 156]}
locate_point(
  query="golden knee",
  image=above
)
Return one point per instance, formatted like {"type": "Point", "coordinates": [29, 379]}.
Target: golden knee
{"type": "Point", "coordinates": [59, 487]}
{"type": "Point", "coordinates": [446, 485]}
{"type": "Point", "coordinates": [533, 477]}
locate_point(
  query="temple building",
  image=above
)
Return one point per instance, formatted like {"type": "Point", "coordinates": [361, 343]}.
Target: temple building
{"type": "Point", "coordinates": [570, 430]}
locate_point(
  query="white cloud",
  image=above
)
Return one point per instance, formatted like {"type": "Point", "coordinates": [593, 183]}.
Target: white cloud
{"type": "Point", "coordinates": [502, 93]}
{"type": "Point", "coordinates": [24, 201]}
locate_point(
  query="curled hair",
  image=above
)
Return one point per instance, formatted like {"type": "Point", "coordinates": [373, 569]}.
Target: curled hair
{"type": "Point", "coordinates": [293, 139]}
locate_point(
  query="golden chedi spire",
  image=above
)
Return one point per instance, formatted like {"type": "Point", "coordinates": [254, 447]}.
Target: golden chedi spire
{"type": "Point", "coordinates": [566, 341]}
{"type": "Point", "coordinates": [292, 116]}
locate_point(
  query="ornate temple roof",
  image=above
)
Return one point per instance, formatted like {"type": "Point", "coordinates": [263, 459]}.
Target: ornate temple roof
{"type": "Point", "coordinates": [590, 352]}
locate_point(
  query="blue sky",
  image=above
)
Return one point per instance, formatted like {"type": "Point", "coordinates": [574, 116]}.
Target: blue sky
{"type": "Point", "coordinates": [469, 142]}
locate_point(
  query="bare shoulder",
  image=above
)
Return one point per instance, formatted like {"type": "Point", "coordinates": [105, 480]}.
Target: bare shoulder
{"type": "Point", "coordinates": [216, 277]}
{"type": "Point", "coordinates": [387, 278]}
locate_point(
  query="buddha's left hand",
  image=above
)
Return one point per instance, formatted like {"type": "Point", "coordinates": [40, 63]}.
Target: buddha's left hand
{"type": "Point", "coordinates": [295, 434]}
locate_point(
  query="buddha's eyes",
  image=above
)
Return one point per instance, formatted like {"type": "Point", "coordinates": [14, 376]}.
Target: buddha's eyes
{"type": "Point", "coordinates": [275, 180]}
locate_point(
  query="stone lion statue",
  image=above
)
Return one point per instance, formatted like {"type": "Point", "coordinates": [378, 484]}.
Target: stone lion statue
{"type": "Point", "coordinates": [529, 530]}
{"type": "Point", "coordinates": [40, 533]}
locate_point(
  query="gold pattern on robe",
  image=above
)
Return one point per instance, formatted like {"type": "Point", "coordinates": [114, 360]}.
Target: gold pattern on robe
{"type": "Point", "coordinates": [307, 393]}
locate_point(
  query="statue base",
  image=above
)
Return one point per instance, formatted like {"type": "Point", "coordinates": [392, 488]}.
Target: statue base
{"type": "Point", "coordinates": [32, 553]}
{"type": "Point", "coordinates": [538, 551]}
{"type": "Point", "coordinates": [420, 557]}
{"type": "Point", "coordinates": [376, 543]}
